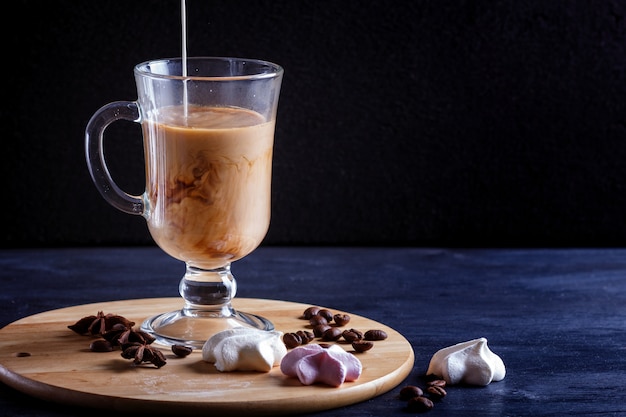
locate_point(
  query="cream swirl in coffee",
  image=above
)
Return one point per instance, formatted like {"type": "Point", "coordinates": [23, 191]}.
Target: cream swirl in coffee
{"type": "Point", "coordinates": [208, 182]}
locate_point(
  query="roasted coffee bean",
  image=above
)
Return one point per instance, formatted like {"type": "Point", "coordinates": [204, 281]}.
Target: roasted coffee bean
{"type": "Point", "coordinates": [419, 404]}
{"type": "Point", "coordinates": [319, 330]}
{"type": "Point", "coordinates": [317, 319]}
{"type": "Point", "coordinates": [310, 312]}
{"type": "Point", "coordinates": [375, 335]}
{"type": "Point", "coordinates": [291, 340]}
{"type": "Point", "coordinates": [436, 392]}
{"type": "Point", "coordinates": [101, 345]}
{"type": "Point", "coordinates": [362, 346]}
{"type": "Point", "coordinates": [181, 350]}
{"type": "Point", "coordinates": [327, 314]}
{"type": "Point", "coordinates": [351, 335]}
{"type": "Point", "coordinates": [331, 334]}
{"type": "Point", "coordinates": [306, 336]}
{"type": "Point", "coordinates": [437, 383]}
{"type": "Point", "coordinates": [357, 332]}
{"type": "Point", "coordinates": [410, 391]}
{"type": "Point", "coordinates": [341, 319]}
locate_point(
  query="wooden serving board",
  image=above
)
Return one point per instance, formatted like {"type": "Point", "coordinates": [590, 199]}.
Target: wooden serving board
{"type": "Point", "coordinates": [41, 357]}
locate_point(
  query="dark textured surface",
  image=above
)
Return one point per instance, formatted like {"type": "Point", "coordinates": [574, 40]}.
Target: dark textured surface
{"type": "Point", "coordinates": [557, 317]}
{"type": "Point", "coordinates": [430, 123]}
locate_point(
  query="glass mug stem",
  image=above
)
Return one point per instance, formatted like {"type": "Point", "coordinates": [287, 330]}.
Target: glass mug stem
{"type": "Point", "coordinates": [205, 287]}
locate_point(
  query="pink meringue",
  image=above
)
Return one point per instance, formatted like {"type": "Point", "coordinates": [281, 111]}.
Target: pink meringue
{"type": "Point", "coordinates": [313, 363]}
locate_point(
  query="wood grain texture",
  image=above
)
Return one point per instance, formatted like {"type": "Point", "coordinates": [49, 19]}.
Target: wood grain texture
{"type": "Point", "coordinates": [60, 367]}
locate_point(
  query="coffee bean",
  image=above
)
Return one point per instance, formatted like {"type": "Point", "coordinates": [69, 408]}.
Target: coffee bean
{"type": "Point", "coordinates": [317, 319]}
{"type": "Point", "coordinates": [310, 312]}
{"type": "Point", "coordinates": [410, 391]}
{"type": "Point", "coordinates": [437, 383]}
{"type": "Point", "coordinates": [351, 335]}
{"type": "Point", "coordinates": [291, 340]}
{"type": "Point", "coordinates": [375, 335]}
{"type": "Point", "coordinates": [306, 336]}
{"type": "Point", "coordinates": [436, 392]}
{"type": "Point", "coordinates": [419, 404]}
{"type": "Point", "coordinates": [362, 346]}
{"type": "Point", "coordinates": [331, 334]}
{"type": "Point", "coordinates": [101, 345]}
{"type": "Point", "coordinates": [319, 329]}
{"type": "Point", "coordinates": [181, 350]}
{"type": "Point", "coordinates": [341, 319]}
{"type": "Point", "coordinates": [327, 314]}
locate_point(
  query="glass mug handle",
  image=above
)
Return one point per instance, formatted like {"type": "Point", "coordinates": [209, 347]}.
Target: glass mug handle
{"type": "Point", "coordinates": [94, 152]}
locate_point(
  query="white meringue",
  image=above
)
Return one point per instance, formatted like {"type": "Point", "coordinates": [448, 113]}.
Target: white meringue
{"type": "Point", "coordinates": [313, 363]}
{"type": "Point", "coordinates": [244, 349]}
{"type": "Point", "coordinates": [469, 362]}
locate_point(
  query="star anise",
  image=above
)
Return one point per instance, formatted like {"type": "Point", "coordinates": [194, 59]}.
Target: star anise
{"type": "Point", "coordinates": [99, 324]}
{"type": "Point", "coordinates": [120, 334]}
{"type": "Point", "coordinates": [142, 352]}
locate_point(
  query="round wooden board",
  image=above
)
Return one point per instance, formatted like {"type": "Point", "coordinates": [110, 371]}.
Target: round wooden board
{"type": "Point", "coordinates": [41, 357]}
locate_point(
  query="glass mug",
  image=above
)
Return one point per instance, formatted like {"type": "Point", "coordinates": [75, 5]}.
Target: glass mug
{"type": "Point", "coordinates": [208, 142]}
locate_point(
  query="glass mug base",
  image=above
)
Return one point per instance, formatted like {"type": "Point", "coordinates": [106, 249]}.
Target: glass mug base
{"type": "Point", "coordinates": [207, 310]}
{"type": "Point", "coordinates": [194, 328]}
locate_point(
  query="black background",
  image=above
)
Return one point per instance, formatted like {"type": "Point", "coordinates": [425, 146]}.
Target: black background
{"type": "Point", "coordinates": [453, 123]}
